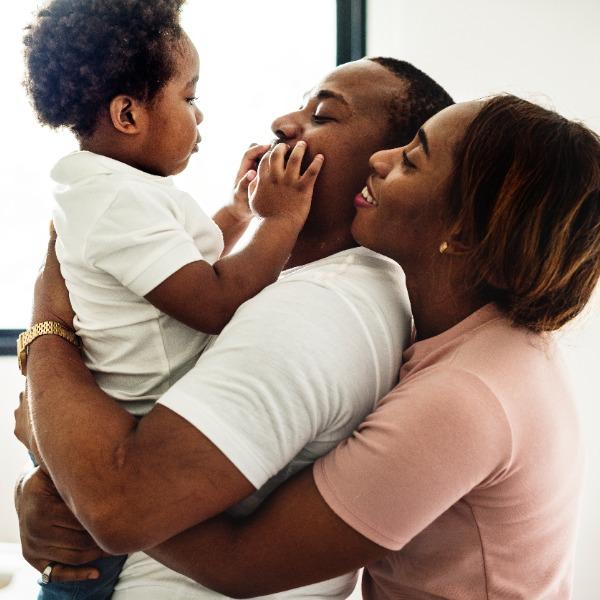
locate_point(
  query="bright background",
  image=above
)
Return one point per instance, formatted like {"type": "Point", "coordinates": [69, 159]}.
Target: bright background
{"type": "Point", "coordinates": [258, 58]}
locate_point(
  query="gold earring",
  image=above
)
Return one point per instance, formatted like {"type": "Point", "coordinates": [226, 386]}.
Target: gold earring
{"type": "Point", "coordinates": [443, 247]}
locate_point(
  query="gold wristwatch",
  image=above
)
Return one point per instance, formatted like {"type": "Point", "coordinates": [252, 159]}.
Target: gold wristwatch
{"type": "Point", "coordinates": [44, 328]}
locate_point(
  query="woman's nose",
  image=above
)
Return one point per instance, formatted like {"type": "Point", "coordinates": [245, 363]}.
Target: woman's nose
{"type": "Point", "coordinates": [381, 163]}
{"type": "Point", "coordinates": [286, 128]}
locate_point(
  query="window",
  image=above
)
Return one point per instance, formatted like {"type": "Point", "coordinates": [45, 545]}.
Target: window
{"type": "Point", "coordinates": [257, 60]}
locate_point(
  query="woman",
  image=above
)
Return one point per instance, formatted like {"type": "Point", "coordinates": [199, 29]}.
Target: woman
{"type": "Point", "coordinates": [465, 482]}
{"type": "Point", "coordinates": [470, 471]}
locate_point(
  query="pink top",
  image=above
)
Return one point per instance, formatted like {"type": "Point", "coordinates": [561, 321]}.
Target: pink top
{"type": "Point", "coordinates": [470, 470]}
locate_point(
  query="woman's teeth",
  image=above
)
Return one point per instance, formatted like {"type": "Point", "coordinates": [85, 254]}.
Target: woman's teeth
{"type": "Point", "coordinates": [368, 198]}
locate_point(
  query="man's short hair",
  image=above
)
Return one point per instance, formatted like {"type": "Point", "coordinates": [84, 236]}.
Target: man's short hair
{"type": "Point", "coordinates": [420, 99]}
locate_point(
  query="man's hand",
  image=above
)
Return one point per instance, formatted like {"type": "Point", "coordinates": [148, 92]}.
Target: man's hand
{"type": "Point", "coordinates": [50, 297]}
{"type": "Point", "coordinates": [280, 190]}
{"type": "Point", "coordinates": [50, 532]}
{"type": "Point", "coordinates": [24, 428]}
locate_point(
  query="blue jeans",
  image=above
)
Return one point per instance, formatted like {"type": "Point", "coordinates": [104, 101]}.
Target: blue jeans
{"type": "Point", "coordinates": [90, 589]}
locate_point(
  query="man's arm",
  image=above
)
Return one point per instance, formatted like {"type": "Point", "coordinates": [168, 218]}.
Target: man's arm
{"type": "Point", "coordinates": [130, 484]}
{"type": "Point", "coordinates": [162, 469]}
{"type": "Point", "coordinates": [260, 394]}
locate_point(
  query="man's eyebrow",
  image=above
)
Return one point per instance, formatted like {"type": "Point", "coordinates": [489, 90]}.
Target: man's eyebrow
{"type": "Point", "coordinates": [326, 94]}
{"type": "Point", "coordinates": [423, 140]}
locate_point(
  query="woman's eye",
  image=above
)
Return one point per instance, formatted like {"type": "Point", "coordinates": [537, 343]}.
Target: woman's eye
{"type": "Point", "coordinates": [192, 99]}
{"type": "Point", "coordinates": [407, 162]}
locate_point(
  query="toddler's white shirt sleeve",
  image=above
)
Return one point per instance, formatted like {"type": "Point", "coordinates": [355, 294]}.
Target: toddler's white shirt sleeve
{"type": "Point", "coordinates": [140, 240]}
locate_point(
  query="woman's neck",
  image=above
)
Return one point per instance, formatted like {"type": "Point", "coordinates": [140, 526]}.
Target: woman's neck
{"type": "Point", "coordinates": [440, 300]}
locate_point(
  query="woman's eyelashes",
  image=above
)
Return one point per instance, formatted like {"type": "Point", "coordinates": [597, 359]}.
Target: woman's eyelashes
{"type": "Point", "coordinates": [407, 162]}
{"type": "Point", "coordinates": [191, 99]}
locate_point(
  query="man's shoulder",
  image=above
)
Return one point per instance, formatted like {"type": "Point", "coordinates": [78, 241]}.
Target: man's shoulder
{"type": "Point", "coordinates": [348, 264]}
{"type": "Point", "coordinates": [352, 289]}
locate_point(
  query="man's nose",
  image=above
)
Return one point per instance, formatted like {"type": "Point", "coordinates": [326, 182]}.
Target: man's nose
{"type": "Point", "coordinates": [285, 128]}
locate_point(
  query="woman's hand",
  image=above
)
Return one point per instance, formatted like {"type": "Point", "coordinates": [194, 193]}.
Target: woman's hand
{"type": "Point", "coordinates": [50, 297]}
{"type": "Point", "coordinates": [50, 532]}
{"type": "Point", "coordinates": [281, 190]}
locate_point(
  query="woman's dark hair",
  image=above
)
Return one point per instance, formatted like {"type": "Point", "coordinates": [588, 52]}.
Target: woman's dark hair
{"type": "Point", "coordinates": [525, 202]}
{"type": "Point", "coordinates": [420, 99]}
{"type": "Point", "coordinates": [80, 54]}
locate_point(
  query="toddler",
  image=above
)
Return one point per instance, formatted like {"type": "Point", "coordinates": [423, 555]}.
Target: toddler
{"type": "Point", "coordinates": [147, 270]}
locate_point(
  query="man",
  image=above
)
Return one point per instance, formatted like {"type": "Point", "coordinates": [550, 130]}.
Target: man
{"type": "Point", "coordinates": [294, 372]}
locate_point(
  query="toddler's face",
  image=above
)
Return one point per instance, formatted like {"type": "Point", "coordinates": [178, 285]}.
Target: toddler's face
{"type": "Point", "coordinates": [173, 118]}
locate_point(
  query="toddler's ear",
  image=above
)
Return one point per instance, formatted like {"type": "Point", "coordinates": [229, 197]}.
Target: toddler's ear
{"type": "Point", "coordinates": [126, 114]}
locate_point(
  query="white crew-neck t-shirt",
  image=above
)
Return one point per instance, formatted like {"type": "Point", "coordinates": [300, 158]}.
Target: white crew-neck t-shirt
{"type": "Point", "coordinates": [295, 371]}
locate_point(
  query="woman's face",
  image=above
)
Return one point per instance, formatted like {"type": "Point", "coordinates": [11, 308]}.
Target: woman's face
{"type": "Point", "coordinates": [401, 211]}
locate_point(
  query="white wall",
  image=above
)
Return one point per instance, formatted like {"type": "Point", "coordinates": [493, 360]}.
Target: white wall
{"type": "Point", "coordinates": [547, 51]}
{"type": "Point", "coordinates": [537, 48]}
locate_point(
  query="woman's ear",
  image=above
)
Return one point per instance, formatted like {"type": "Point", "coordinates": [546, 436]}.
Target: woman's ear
{"type": "Point", "coordinates": [126, 114]}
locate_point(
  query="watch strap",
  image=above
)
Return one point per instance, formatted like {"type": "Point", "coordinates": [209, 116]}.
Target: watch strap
{"type": "Point", "coordinates": [35, 331]}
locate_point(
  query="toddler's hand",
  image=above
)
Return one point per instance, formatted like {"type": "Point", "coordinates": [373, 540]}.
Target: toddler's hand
{"type": "Point", "coordinates": [246, 173]}
{"type": "Point", "coordinates": [279, 190]}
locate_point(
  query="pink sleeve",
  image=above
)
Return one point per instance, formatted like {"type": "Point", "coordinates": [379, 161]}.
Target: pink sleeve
{"type": "Point", "coordinates": [430, 441]}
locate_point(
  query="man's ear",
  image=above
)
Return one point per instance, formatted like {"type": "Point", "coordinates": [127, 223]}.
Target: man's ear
{"type": "Point", "coordinates": [127, 114]}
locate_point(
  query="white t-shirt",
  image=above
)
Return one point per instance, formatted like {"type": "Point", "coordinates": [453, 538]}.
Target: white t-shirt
{"type": "Point", "coordinates": [121, 232]}
{"type": "Point", "coordinates": [294, 372]}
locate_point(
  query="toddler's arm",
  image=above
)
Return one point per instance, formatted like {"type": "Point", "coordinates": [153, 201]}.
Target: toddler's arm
{"type": "Point", "coordinates": [205, 297]}
{"type": "Point", "coordinates": [233, 218]}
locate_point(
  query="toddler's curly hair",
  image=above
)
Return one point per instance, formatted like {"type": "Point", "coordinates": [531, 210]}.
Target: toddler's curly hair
{"type": "Point", "coordinates": [80, 54]}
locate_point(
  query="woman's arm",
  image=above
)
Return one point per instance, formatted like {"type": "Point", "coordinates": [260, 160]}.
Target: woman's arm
{"type": "Point", "coordinates": [294, 539]}
{"type": "Point", "coordinates": [427, 445]}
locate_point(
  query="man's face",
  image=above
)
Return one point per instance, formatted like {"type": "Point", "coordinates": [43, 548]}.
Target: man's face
{"type": "Point", "coordinates": [345, 118]}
